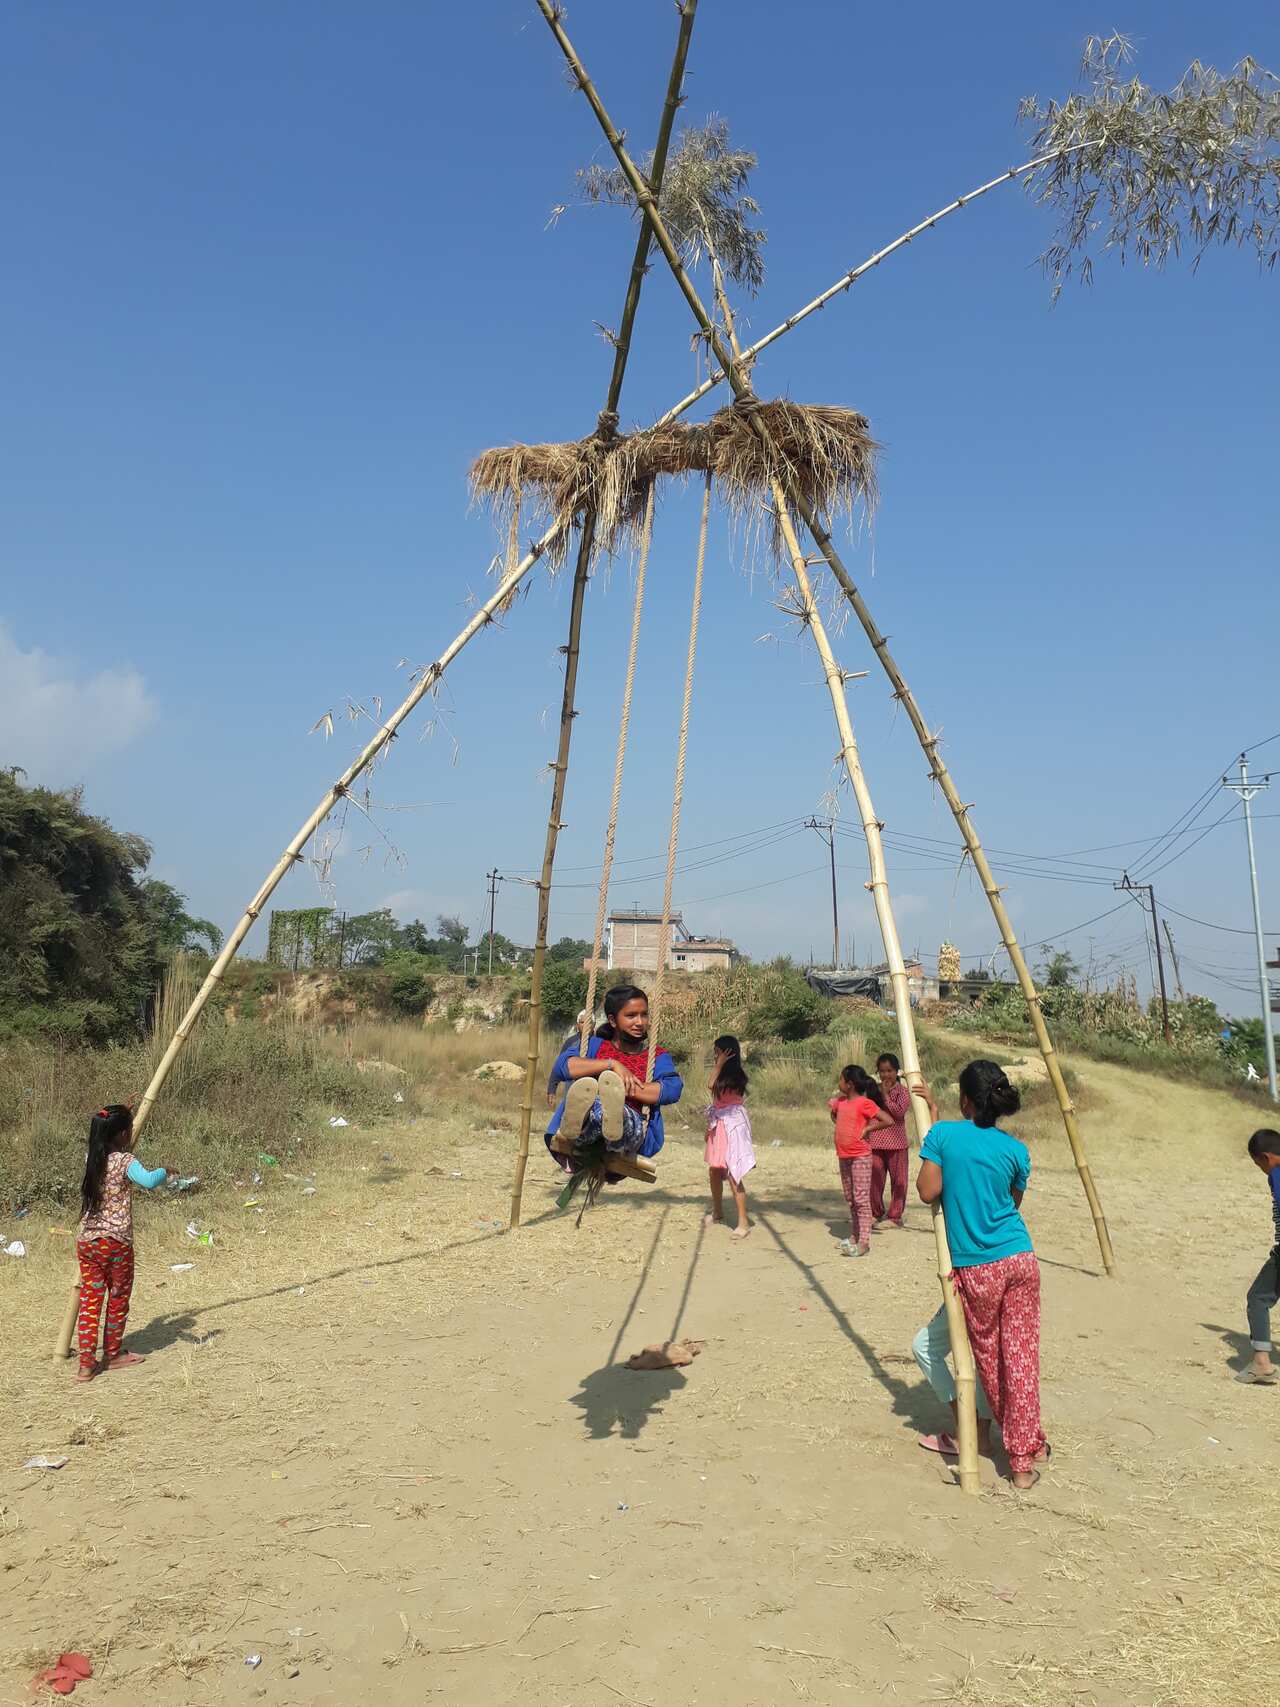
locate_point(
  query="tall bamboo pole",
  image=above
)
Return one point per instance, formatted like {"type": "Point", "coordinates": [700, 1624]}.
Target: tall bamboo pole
{"type": "Point", "coordinates": [750, 403]}
{"type": "Point", "coordinates": [836, 679]}
{"type": "Point", "coordinates": [966, 1412]}
{"type": "Point", "coordinates": [607, 428]}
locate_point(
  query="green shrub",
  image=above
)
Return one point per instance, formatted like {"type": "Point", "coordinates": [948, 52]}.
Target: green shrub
{"type": "Point", "coordinates": [789, 1008]}
{"type": "Point", "coordinates": [564, 989]}
{"type": "Point", "coordinates": [409, 990]}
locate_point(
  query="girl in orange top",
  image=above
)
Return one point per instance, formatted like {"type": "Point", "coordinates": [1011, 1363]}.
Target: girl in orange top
{"type": "Point", "coordinates": [856, 1108]}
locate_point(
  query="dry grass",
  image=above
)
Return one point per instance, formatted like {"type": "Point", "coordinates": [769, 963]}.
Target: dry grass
{"type": "Point", "coordinates": [826, 452]}
{"type": "Point", "coordinates": [454, 1371]}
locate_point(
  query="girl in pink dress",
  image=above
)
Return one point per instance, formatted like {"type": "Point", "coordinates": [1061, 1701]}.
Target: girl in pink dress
{"type": "Point", "coordinates": [729, 1154]}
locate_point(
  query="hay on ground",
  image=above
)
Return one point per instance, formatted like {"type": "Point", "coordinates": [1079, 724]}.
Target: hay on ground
{"type": "Point", "coordinates": [827, 452]}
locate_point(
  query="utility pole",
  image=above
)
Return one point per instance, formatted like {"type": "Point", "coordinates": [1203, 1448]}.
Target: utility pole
{"type": "Point", "coordinates": [1173, 955]}
{"type": "Point", "coordinates": [1246, 790]}
{"type": "Point", "coordinates": [826, 828]}
{"type": "Point", "coordinates": [494, 878]}
{"type": "Point", "coordinates": [1132, 888]}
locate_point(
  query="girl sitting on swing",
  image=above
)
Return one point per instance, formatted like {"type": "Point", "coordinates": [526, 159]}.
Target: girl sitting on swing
{"type": "Point", "coordinates": [610, 1091]}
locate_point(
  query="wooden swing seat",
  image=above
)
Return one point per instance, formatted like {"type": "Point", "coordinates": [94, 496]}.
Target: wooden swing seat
{"type": "Point", "coordinates": [631, 1167]}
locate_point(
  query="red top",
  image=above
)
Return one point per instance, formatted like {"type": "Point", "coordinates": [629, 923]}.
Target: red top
{"type": "Point", "coordinates": [852, 1115]}
{"type": "Point", "coordinates": [635, 1064]}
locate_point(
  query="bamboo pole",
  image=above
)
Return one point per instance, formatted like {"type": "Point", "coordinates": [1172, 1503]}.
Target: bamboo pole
{"type": "Point", "coordinates": [836, 679]}
{"type": "Point", "coordinates": [966, 1413]}
{"type": "Point", "coordinates": [847, 280]}
{"type": "Point", "coordinates": [581, 575]}
{"type": "Point", "coordinates": [606, 428]}
{"type": "Point", "coordinates": [292, 856]}
{"type": "Point", "coordinates": [750, 404]}
{"type": "Point", "coordinates": [960, 812]}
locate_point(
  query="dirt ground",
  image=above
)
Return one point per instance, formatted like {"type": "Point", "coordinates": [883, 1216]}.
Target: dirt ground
{"type": "Point", "coordinates": [390, 1449]}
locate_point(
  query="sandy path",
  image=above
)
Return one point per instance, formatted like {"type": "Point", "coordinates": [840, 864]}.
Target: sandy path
{"type": "Point", "coordinates": [427, 1477]}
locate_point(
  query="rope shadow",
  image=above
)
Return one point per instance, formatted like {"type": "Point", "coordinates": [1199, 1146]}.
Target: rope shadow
{"type": "Point", "coordinates": [907, 1400]}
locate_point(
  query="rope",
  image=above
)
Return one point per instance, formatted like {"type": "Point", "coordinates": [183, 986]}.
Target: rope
{"type": "Point", "coordinates": [664, 938]}
{"type": "Point", "coordinates": [513, 551]}
{"type": "Point", "coordinates": [624, 720]}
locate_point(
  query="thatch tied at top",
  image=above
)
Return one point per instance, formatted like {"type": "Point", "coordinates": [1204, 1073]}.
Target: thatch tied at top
{"type": "Point", "coordinates": [828, 452]}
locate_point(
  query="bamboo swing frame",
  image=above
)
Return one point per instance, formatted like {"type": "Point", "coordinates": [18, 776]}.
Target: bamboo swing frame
{"type": "Point", "coordinates": [552, 541]}
{"type": "Point", "coordinates": [647, 202]}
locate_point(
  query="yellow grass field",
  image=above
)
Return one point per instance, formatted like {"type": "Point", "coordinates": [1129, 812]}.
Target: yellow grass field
{"type": "Point", "coordinates": [390, 1449]}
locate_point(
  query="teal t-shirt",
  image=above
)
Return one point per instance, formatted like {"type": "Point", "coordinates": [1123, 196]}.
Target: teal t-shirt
{"type": "Point", "coordinates": [981, 1166]}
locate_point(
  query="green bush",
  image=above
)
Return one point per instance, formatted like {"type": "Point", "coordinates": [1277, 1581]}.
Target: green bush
{"type": "Point", "coordinates": [564, 989]}
{"type": "Point", "coordinates": [410, 989]}
{"type": "Point", "coordinates": [789, 1008]}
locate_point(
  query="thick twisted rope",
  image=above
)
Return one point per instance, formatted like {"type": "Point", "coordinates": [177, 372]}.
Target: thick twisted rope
{"type": "Point", "coordinates": [677, 797]}
{"type": "Point", "coordinates": [624, 721]}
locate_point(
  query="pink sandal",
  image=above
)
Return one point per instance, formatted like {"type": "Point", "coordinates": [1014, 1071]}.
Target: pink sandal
{"type": "Point", "coordinates": [941, 1443]}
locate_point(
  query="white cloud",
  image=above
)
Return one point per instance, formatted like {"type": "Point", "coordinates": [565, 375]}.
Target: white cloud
{"type": "Point", "coordinates": [56, 720]}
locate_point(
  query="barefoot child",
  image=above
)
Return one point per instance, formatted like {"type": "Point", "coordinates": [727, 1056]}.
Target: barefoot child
{"type": "Point", "coordinates": [104, 1244]}
{"type": "Point", "coordinates": [729, 1154]}
{"type": "Point", "coordinates": [1264, 1151]}
{"type": "Point", "coordinates": [856, 1107]}
{"type": "Point", "coordinates": [980, 1173]}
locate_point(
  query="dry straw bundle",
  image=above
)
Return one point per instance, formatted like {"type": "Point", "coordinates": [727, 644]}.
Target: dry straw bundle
{"type": "Point", "coordinates": [825, 453]}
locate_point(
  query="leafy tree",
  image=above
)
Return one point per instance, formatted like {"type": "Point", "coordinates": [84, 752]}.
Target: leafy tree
{"type": "Point", "coordinates": [414, 938]}
{"type": "Point", "coordinates": [175, 928]}
{"type": "Point", "coordinates": [83, 936]}
{"type": "Point", "coordinates": [574, 950]}
{"type": "Point", "coordinates": [1058, 970]}
{"type": "Point", "coordinates": [452, 930]}
{"type": "Point", "coordinates": [367, 938]}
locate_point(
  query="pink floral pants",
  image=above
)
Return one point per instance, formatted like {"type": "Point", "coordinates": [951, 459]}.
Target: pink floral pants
{"type": "Point", "coordinates": [855, 1177]}
{"type": "Point", "coordinates": [1002, 1310]}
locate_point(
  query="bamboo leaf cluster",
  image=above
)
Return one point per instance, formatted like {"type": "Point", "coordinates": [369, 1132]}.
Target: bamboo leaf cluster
{"type": "Point", "coordinates": [1144, 173]}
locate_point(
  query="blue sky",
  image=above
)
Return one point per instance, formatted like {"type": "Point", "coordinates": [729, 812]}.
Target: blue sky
{"type": "Point", "coordinates": [276, 275]}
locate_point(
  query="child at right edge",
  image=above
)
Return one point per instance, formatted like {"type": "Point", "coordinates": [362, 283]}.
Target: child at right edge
{"type": "Point", "coordinates": [1264, 1153]}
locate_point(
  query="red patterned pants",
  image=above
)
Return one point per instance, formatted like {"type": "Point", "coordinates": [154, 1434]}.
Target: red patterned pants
{"type": "Point", "coordinates": [855, 1177]}
{"type": "Point", "coordinates": [106, 1271]}
{"type": "Point", "coordinates": [1002, 1310]}
{"type": "Point", "coordinates": [893, 1164]}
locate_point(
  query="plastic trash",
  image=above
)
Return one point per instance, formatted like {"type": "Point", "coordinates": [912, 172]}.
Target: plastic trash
{"type": "Point", "coordinates": [180, 1267]}
{"type": "Point", "coordinates": [253, 1661]}
{"type": "Point", "coordinates": [775, 1143]}
{"type": "Point", "coordinates": [41, 1462]}
{"type": "Point", "coordinates": [337, 1120]}
{"type": "Point", "coordinates": [308, 1191]}
{"type": "Point", "coordinates": [15, 1248]}
{"type": "Point", "coordinates": [63, 1677]}
{"type": "Point", "coordinates": [397, 1096]}
{"type": "Point", "coordinates": [267, 1161]}
{"type": "Point", "coordinates": [623, 1506]}
{"type": "Point", "coordinates": [183, 1184]}
{"type": "Point", "coordinates": [194, 1232]}
{"type": "Point", "coordinates": [21, 1214]}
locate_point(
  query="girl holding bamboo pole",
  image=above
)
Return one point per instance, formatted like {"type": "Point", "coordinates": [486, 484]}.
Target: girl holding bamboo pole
{"type": "Point", "coordinates": [979, 1174]}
